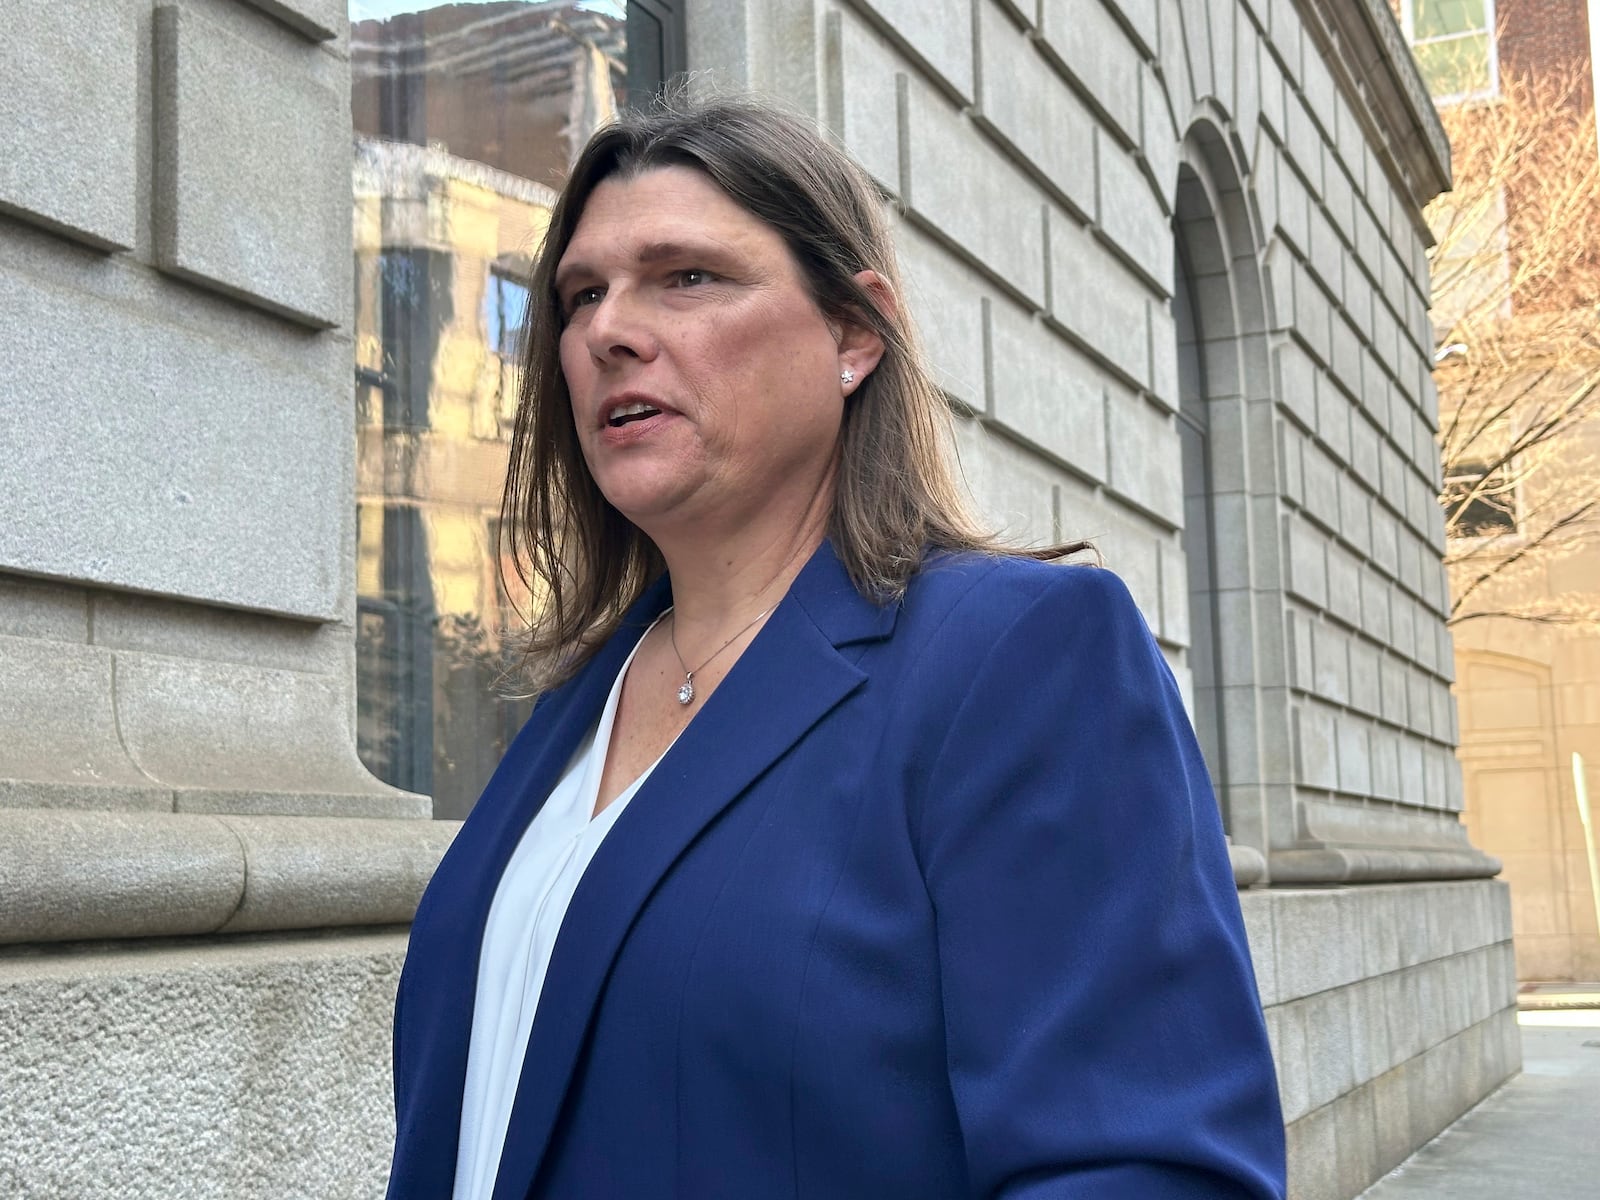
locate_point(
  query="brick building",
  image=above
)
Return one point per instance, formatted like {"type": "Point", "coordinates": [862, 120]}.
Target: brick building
{"type": "Point", "coordinates": [1534, 37]}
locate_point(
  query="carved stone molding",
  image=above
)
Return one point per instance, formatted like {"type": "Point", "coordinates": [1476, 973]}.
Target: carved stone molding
{"type": "Point", "coordinates": [1342, 844]}
{"type": "Point", "coordinates": [1372, 864]}
{"type": "Point", "coordinates": [71, 875]}
{"type": "Point", "coordinates": [1249, 865]}
{"type": "Point", "coordinates": [1364, 47]}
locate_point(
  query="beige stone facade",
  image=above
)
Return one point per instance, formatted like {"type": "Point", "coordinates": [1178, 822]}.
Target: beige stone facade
{"type": "Point", "coordinates": [1529, 697]}
{"type": "Point", "coordinates": [1530, 700]}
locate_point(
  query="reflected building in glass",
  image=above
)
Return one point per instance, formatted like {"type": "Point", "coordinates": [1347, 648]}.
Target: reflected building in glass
{"type": "Point", "coordinates": [465, 116]}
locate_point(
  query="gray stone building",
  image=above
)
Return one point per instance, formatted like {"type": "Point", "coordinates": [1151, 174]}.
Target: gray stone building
{"type": "Point", "coordinates": [1169, 261]}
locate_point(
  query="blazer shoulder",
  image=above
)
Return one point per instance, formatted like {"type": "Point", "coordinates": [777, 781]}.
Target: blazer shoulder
{"type": "Point", "coordinates": [992, 591]}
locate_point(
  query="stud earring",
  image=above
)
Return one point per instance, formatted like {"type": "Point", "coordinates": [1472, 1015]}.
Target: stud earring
{"type": "Point", "coordinates": [847, 377]}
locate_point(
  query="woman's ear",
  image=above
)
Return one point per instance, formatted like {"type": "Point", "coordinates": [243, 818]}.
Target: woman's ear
{"type": "Point", "coordinates": [860, 345]}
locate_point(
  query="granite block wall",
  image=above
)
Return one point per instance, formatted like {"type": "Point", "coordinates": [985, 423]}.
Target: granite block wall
{"type": "Point", "coordinates": [1387, 1005]}
{"type": "Point", "coordinates": [210, 1070]}
{"type": "Point", "coordinates": [183, 816]}
{"type": "Point", "coordinates": [169, 152]}
{"type": "Point", "coordinates": [176, 532]}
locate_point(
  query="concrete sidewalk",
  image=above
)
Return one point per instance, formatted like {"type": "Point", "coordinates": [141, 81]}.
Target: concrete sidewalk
{"type": "Point", "coordinates": [1537, 1137]}
{"type": "Point", "coordinates": [1541, 996]}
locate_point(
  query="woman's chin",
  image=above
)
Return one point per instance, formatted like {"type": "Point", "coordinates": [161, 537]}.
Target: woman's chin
{"type": "Point", "coordinates": [650, 507]}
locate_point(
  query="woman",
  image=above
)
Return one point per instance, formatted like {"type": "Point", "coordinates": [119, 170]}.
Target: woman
{"type": "Point", "coordinates": [845, 855]}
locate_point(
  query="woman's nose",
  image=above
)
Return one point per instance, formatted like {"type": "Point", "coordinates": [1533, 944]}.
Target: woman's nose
{"type": "Point", "coordinates": [620, 328]}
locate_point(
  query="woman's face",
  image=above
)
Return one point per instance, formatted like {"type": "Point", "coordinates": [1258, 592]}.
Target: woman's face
{"type": "Point", "coordinates": [704, 380]}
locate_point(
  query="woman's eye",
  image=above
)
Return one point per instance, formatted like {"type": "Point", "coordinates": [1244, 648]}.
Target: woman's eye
{"type": "Point", "coordinates": [581, 298]}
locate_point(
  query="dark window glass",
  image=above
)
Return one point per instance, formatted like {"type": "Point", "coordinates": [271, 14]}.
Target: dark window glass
{"type": "Point", "coordinates": [1479, 501]}
{"type": "Point", "coordinates": [466, 118]}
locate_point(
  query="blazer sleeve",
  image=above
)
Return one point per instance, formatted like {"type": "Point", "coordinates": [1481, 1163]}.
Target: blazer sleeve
{"type": "Point", "coordinates": [1104, 1033]}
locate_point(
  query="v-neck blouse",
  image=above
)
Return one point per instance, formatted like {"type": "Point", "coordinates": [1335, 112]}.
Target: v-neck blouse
{"type": "Point", "coordinates": [525, 918]}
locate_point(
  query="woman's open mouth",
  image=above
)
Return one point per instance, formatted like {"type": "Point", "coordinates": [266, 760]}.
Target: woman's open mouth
{"type": "Point", "coordinates": [628, 413]}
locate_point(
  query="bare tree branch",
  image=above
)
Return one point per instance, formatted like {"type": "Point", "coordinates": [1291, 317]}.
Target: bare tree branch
{"type": "Point", "coordinates": [1516, 316]}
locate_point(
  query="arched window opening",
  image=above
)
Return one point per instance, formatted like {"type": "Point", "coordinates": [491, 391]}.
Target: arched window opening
{"type": "Point", "coordinates": [1199, 536]}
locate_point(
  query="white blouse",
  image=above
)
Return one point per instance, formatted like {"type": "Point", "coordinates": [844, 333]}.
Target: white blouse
{"type": "Point", "coordinates": [518, 938]}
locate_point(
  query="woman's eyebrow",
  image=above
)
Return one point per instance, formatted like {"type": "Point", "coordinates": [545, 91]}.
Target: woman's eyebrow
{"type": "Point", "coordinates": [566, 272]}
{"type": "Point", "coordinates": [649, 254]}
{"type": "Point", "coordinates": [657, 252]}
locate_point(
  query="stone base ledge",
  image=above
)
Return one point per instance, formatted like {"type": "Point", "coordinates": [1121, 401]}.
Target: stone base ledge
{"type": "Point", "coordinates": [1249, 865]}
{"type": "Point", "coordinates": [1352, 864]}
{"type": "Point", "coordinates": [70, 875]}
{"type": "Point", "coordinates": [246, 1068]}
{"type": "Point", "coordinates": [1310, 940]}
{"type": "Point", "coordinates": [1341, 1149]}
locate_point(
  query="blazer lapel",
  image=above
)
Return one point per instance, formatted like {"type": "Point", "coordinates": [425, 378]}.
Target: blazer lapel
{"type": "Point", "coordinates": [513, 797]}
{"type": "Point", "coordinates": [518, 790]}
{"type": "Point", "coordinates": [791, 675]}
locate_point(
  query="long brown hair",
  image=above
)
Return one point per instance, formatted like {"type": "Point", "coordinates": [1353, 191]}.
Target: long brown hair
{"type": "Point", "coordinates": [895, 494]}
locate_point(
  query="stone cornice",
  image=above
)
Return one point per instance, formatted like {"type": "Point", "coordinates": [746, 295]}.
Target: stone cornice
{"type": "Point", "coordinates": [1364, 47]}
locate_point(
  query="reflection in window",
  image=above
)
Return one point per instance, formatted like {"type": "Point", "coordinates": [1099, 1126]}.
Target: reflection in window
{"type": "Point", "coordinates": [466, 118]}
{"type": "Point", "coordinates": [1453, 41]}
{"type": "Point", "coordinates": [505, 302]}
{"type": "Point", "coordinates": [1480, 500]}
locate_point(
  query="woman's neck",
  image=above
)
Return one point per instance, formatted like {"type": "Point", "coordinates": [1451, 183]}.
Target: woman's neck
{"type": "Point", "coordinates": [713, 592]}
{"type": "Point", "coordinates": [718, 585]}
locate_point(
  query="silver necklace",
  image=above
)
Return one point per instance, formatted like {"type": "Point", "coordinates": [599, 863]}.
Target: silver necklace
{"type": "Point", "coordinates": [686, 689]}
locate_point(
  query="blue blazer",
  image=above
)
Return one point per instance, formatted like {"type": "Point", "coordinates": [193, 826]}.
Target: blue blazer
{"type": "Point", "coordinates": [929, 901]}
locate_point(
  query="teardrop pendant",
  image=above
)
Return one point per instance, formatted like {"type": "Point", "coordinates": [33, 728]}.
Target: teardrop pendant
{"type": "Point", "coordinates": [686, 692]}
